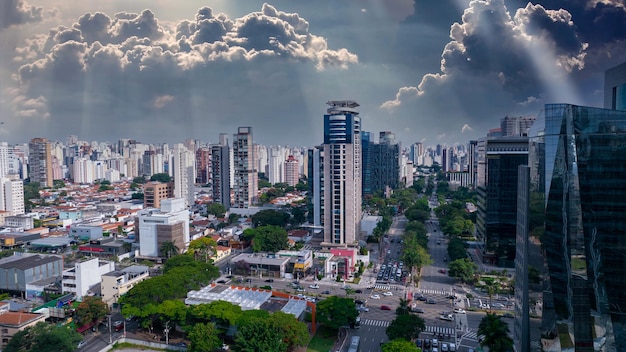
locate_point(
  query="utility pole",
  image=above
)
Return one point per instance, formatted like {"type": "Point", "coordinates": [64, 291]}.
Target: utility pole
{"type": "Point", "coordinates": [110, 336]}
{"type": "Point", "coordinates": [167, 332]}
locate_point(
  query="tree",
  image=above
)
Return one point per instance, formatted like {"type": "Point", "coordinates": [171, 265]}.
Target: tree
{"type": "Point", "coordinates": [233, 218]}
{"type": "Point", "coordinates": [403, 307]}
{"type": "Point", "coordinates": [406, 326]}
{"type": "Point", "coordinates": [269, 239]}
{"type": "Point", "coordinates": [495, 333]}
{"type": "Point", "coordinates": [259, 335]}
{"type": "Point", "coordinates": [222, 313]}
{"type": "Point", "coordinates": [294, 333]}
{"type": "Point", "coordinates": [43, 337]}
{"type": "Point", "coordinates": [139, 180]}
{"type": "Point", "coordinates": [400, 345]}
{"type": "Point", "coordinates": [204, 337]}
{"type": "Point", "coordinates": [202, 247]}
{"type": "Point", "coordinates": [270, 217]}
{"type": "Point", "coordinates": [216, 209]}
{"type": "Point", "coordinates": [136, 195]}
{"type": "Point", "coordinates": [168, 248]}
{"type": "Point", "coordinates": [463, 269]}
{"type": "Point", "coordinates": [161, 177]}
{"type": "Point", "coordinates": [336, 312]}
{"type": "Point", "coordinates": [92, 309]}
{"type": "Point", "coordinates": [456, 248]}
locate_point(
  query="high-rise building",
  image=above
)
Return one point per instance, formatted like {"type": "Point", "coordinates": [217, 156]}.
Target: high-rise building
{"type": "Point", "coordinates": [244, 163]}
{"type": "Point", "coordinates": [184, 173]}
{"type": "Point", "coordinates": [292, 170]}
{"type": "Point", "coordinates": [516, 125]}
{"type": "Point", "coordinates": [220, 174]}
{"type": "Point", "coordinates": [40, 162]}
{"type": "Point", "coordinates": [203, 165]}
{"type": "Point", "coordinates": [12, 195]}
{"type": "Point", "coordinates": [615, 87]}
{"type": "Point", "coordinates": [275, 171]}
{"type": "Point", "coordinates": [381, 163]}
{"type": "Point", "coordinates": [342, 174]}
{"type": "Point", "coordinates": [170, 223]}
{"type": "Point", "coordinates": [315, 181]}
{"type": "Point", "coordinates": [578, 215]}
{"type": "Point", "coordinates": [4, 159]}
{"type": "Point", "coordinates": [497, 197]}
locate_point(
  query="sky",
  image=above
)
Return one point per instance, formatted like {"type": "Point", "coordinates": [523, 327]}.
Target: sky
{"type": "Point", "coordinates": [157, 71]}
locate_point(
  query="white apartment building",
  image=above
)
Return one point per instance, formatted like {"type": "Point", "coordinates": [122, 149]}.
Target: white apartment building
{"type": "Point", "coordinates": [12, 196]}
{"type": "Point", "coordinates": [184, 172]}
{"type": "Point", "coordinates": [169, 223]}
{"type": "Point", "coordinates": [84, 275]}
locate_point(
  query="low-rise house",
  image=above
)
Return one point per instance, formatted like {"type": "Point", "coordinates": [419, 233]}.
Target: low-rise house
{"type": "Point", "coordinates": [116, 283]}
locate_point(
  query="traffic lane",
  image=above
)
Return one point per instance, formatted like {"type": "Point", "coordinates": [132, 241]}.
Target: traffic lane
{"type": "Point", "coordinates": [371, 337]}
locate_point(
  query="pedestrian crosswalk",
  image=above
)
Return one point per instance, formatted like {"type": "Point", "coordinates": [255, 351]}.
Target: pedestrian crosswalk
{"type": "Point", "coordinates": [433, 292]}
{"type": "Point", "coordinates": [382, 287]}
{"type": "Point", "coordinates": [472, 335]}
{"type": "Point", "coordinates": [439, 330]}
{"type": "Point", "coordinates": [375, 322]}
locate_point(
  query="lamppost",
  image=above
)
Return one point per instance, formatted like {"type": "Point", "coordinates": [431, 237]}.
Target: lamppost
{"type": "Point", "coordinates": [110, 335]}
{"type": "Point", "coordinates": [167, 332]}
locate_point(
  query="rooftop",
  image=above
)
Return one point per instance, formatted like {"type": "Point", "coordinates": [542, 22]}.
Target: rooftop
{"type": "Point", "coordinates": [28, 262]}
{"type": "Point", "coordinates": [18, 318]}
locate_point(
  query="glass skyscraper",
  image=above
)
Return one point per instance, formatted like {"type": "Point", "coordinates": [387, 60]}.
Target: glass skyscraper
{"type": "Point", "coordinates": [577, 160]}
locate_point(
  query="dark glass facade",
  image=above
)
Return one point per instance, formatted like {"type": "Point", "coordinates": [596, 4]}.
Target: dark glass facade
{"type": "Point", "coordinates": [577, 157]}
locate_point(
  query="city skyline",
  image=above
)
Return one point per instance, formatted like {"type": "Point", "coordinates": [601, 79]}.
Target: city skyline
{"type": "Point", "coordinates": [439, 73]}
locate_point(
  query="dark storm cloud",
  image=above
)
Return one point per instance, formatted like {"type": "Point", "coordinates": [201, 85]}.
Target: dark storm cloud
{"type": "Point", "coordinates": [16, 12]}
{"type": "Point", "coordinates": [493, 62]}
{"type": "Point", "coordinates": [105, 75]}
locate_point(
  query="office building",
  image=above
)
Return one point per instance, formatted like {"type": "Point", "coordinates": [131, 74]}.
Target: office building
{"type": "Point", "coordinates": [315, 181]}
{"type": "Point", "coordinates": [246, 183]}
{"type": "Point", "coordinates": [40, 162]}
{"type": "Point", "coordinates": [4, 159]}
{"type": "Point", "coordinates": [615, 87]}
{"type": "Point", "coordinates": [84, 276]}
{"type": "Point", "coordinates": [516, 125]}
{"type": "Point", "coordinates": [577, 158]}
{"type": "Point", "coordinates": [292, 171]}
{"type": "Point", "coordinates": [381, 163]}
{"type": "Point", "coordinates": [220, 174]}
{"type": "Point", "coordinates": [203, 165]}
{"type": "Point", "coordinates": [170, 223]}
{"type": "Point", "coordinates": [342, 174]}
{"type": "Point", "coordinates": [497, 198]}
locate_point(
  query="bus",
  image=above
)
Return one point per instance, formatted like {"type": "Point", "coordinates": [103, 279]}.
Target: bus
{"type": "Point", "coordinates": [354, 344]}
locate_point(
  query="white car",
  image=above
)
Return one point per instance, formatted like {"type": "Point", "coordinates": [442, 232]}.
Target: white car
{"type": "Point", "coordinates": [314, 286]}
{"type": "Point", "coordinates": [459, 311]}
{"type": "Point", "coordinates": [375, 297]}
{"type": "Point", "coordinates": [388, 293]}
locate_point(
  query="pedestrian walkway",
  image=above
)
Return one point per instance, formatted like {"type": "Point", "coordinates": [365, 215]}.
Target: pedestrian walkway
{"type": "Point", "coordinates": [472, 335]}
{"type": "Point", "coordinates": [433, 292]}
{"type": "Point", "coordinates": [439, 330]}
{"type": "Point", "coordinates": [373, 322]}
{"type": "Point", "coordinates": [382, 287]}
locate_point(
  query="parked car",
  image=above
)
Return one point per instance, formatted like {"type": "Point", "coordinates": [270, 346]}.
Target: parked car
{"type": "Point", "coordinates": [508, 315]}
{"type": "Point", "coordinates": [385, 307]}
{"type": "Point", "coordinates": [431, 301]}
{"type": "Point", "coordinates": [444, 347]}
{"type": "Point", "coordinates": [300, 289]}
{"type": "Point", "coordinates": [326, 292]}
{"type": "Point", "coordinates": [388, 293]}
{"type": "Point", "coordinates": [359, 301]}
{"type": "Point", "coordinates": [269, 280]}
{"type": "Point", "coordinates": [459, 311]}
{"type": "Point", "coordinates": [498, 305]}
{"type": "Point", "coordinates": [417, 310]}
{"type": "Point", "coordinates": [314, 286]}
{"type": "Point", "coordinates": [358, 291]}
{"type": "Point", "coordinates": [435, 343]}
{"type": "Point", "coordinates": [452, 347]}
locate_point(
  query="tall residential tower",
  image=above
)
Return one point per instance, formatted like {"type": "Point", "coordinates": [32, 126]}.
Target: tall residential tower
{"type": "Point", "coordinates": [244, 163]}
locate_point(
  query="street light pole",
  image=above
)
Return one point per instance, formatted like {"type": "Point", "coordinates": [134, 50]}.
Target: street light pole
{"type": "Point", "coordinates": [110, 336]}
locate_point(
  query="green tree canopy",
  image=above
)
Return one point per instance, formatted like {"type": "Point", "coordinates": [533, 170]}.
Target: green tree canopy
{"type": "Point", "coordinates": [406, 326]}
{"type": "Point", "coordinates": [91, 309]}
{"type": "Point", "coordinates": [259, 335]}
{"type": "Point", "coordinates": [269, 239]}
{"type": "Point", "coordinates": [463, 269]}
{"type": "Point", "coordinates": [202, 248]}
{"type": "Point", "coordinates": [161, 177]}
{"type": "Point", "coordinates": [222, 313]}
{"type": "Point", "coordinates": [168, 249]}
{"type": "Point", "coordinates": [139, 180]}
{"type": "Point", "coordinates": [456, 248]}
{"type": "Point", "coordinates": [495, 334]}
{"type": "Point", "coordinates": [270, 217]}
{"type": "Point", "coordinates": [336, 312]}
{"type": "Point", "coordinates": [204, 337]}
{"type": "Point", "coordinates": [400, 345]}
{"type": "Point", "coordinates": [216, 209]}
{"type": "Point", "coordinates": [43, 338]}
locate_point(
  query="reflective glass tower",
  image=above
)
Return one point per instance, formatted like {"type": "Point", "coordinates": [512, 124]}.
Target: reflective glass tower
{"type": "Point", "coordinates": [577, 160]}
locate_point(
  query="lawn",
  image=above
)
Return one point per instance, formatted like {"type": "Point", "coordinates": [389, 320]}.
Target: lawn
{"type": "Point", "coordinates": [323, 340]}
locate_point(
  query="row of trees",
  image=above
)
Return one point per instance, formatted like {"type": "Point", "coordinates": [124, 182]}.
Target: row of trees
{"type": "Point", "coordinates": [415, 250]}
{"type": "Point", "coordinates": [403, 329]}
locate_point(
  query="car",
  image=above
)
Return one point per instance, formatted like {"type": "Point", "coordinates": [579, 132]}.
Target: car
{"type": "Point", "coordinates": [269, 280]}
{"type": "Point", "coordinates": [316, 286]}
{"type": "Point", "coordinates": [419, 343]}
{"type": "Point", "coordinates": [443, 271]}
{"type": "Point", "coordinates": [363, 309]}
{"type": "Point", "coordinates": [326, 292]}
{"type": "Point", "coordinates": [447, 317]}
{"type": "Point", "coordinates": [508, 315]}
{"type": "Point", "coordinates": [221, 281]}
{"type": "Point", "coordinates": [248, 280]}
{"type": "Point", "coordinates": [452, 347]}
{"type": "Point", "coordinates": [375, 297]}
{"type": "Point", "coordinates": [119, 325]}
{"type": "Point", "coordinates": [435, 343]}
{"type": "Point", "coordinates": [484, 306]}
{"type": "Point", "coordinates": [359, 301]}
{"type": "Point", "coordinates": [498, 305]}
{"type": "Point", "coordinates": [435, 349]}
{"type": "Point", "coordinates": [385, 307]}
{"type": "Point", "coordinates": [81, 344]}
{"type": "Point", "coordinates": [417, 310]}
{"type": "Point", "coordinates": [229, 276]}
{"type": "Point", "coordinates": [431, 301]}
{"type": "Point", "coordinates": [451, 297]}
{"type": "Point", "coordinates": [180, 344]}
{"type": "Point", "coordinates": [387, 293]}
{"type": "Point", "coordinates": [438, 242]}
{"type": "Point", "coordinates": [300, 289]}
{"type": "Point", "coordinates": [422, 298]}
{"type": "Point", "coordinates": [444, 347]}
{"type": "Point", "coordinates": [459, 311]}
{"type": "Point", "coordinates": [427, 343]}
{"type": "Point", "coordinates": [358, 291]}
